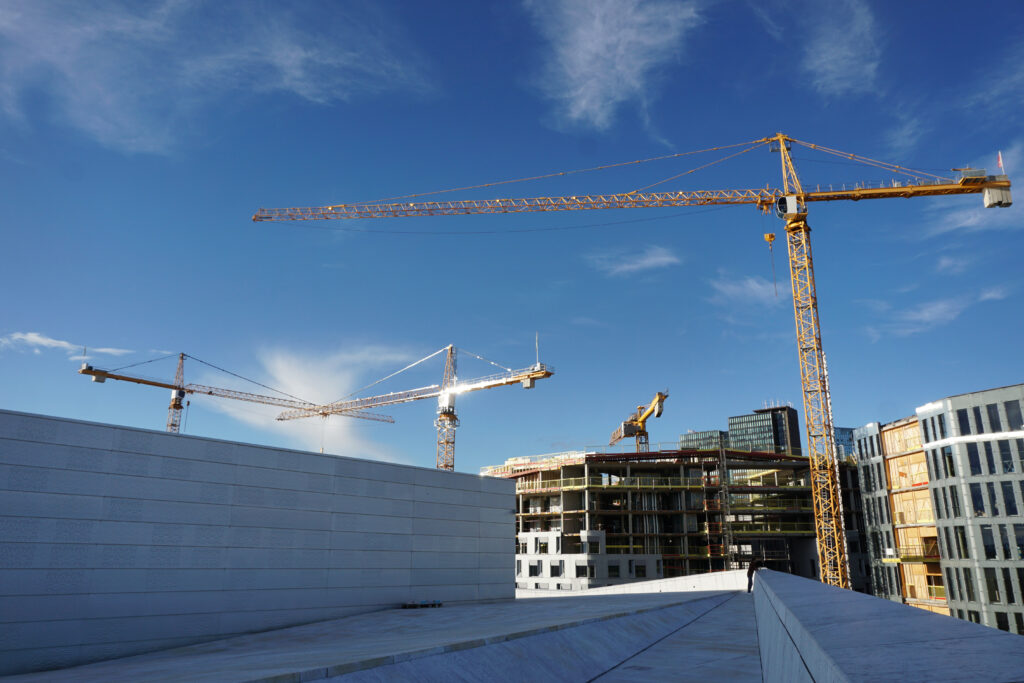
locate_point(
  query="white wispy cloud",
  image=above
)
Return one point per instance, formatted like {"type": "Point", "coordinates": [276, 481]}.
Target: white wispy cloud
{"type": "Point", "coordinates": [36, 342]}
{"type": "Point", "coordinates": [606, 53]}
{"type": "Point", "coordinates": [951, 265]}
{"type": "Point", "coordinates": [616, 262]}
{"type": "Point", "coordinates": [994, 294]}
{"type": "Point", "coordinates": [320, 378]}
{"type": "Point", "coordinates": [903, 138]}
{"type": "Point", "coordinates": [841, 53]}
{"type": "Point", "coordinates": [1001, 90]}
{"type": "Point", "coordinates": [134, 76]}
{"type": "Point", "coordinates": [748, 290]}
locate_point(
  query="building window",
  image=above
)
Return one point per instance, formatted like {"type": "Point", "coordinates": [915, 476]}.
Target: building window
{"type": "Point", "coordinates": [988, 540]}
{"type": "Point", "coordinates": [519, 567]}
{"type": "Point", "coordinates": [948, 465]}
{"type": "Point", "coordinates": [1008, 586]}
{"type": "Point", "coordinates": [973, 616]}
{"type": "Point", "coordinates": [973, 459]}
{"type": "Point", "coordinates": [965, 426]}
{"type": "Point", "coordinates": [936, 473]}
{"type": "Point", "coordinates": [954, 498]}
{"type": "Point", "coordinates": [1002, 622]}
{"type": "Point", "coordinates": [977, 500]}
{"type": "Point", "coordinates": [960, 587]}
{"type": "Point", "coordinates": [1005, 455]}
{"type": "Point", "coordinates": [1018, 533]}
{"type": "Point", "coordinates": [542, 547]}
{"type": "Point", "coordinates": [613, 570]}
{"type": "Point", "coordinates": [641, 570]}
{"type": "Point", "coordinates": [950, 549]}
{"type": "Point", "coordinates": [961, 543]}
{"type": "Point", "coordinates": [992, 584]}
{"type": "Point", "coordinates": [992, 501]}
{"type": "Point", "coordinates": [949, 582]}
{"type": "Point", "coordinates": [935, 503]}
{"type": "Point", "coordinates": [978, 424]}
{"type": "Point", "coordinates": [969, 582]}
{"type": "Point", "coordinates": [594, 547]}
{"type": "Point", "coordinates": [945, 502]}
{"type": "Point", "coordinates": [1005, 538]}
{"type": "Point", "coordinates": [942, 426]}
{"type": "Point", "coordinates": [1014, 421]}
{"type": "Point", "coordinates": [1009, 498]}
{"type": "Point", "coordinates": [989, 459]}
{"type": "Point", "coordinates": [993, 417]}
{"type": "Point", "coordinates": [556, 568]}
{"type": "Point", "coordinates": [924, 428]}
{"type": "Point", "coordinates": [535, 568]}
{"type": "Point", "coordinates": [1020, 451]}
{"type": "Point", "coordinates": [1019, 618]}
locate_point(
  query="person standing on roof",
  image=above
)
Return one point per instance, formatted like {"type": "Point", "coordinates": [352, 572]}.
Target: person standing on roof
{"type": "Point", "coordinates": [753, 567]}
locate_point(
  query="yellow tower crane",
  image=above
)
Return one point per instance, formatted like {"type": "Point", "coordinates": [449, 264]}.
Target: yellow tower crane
{"type": "Point", "coordinates": [445, 394]}
{"type": "Point", "coordinates": [636, 424]}
{"type": "Point", "coordinates": [790, 202]}
{"type": "Point", "coordinates": [179, 390]}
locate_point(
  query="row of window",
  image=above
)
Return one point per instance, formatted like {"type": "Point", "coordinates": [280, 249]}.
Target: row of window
{"type": "Point", "coordinates": [541, 547]}
{"type": "Point", "coordinates": [993, 509]}
{"type": "Point", "coordinates": [1012, 546]}
{"type": "Point", "coordinates": [960, 585]}
{"type": "Point", "coordinates": [1011, 410]}
{"type": "Point", "coordinates": [556, 569]}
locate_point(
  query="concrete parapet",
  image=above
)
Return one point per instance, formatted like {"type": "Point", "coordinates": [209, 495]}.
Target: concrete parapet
{"type": "Point", "coordinates": [808, 631]}
{"type": "Point", "coordinates": [116, 541]}
{"type": "Point", "coordinates": [716, 581]}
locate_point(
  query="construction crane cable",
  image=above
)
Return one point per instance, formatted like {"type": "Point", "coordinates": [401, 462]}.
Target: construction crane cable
{"type": "Point", "coordinates": [283, 393]}
{"type": "Point", "coordinates": [698, 168]}
{"type": "Point", "coordinates": [143, 362]}
{"type": "Point", "coordinates": [559, 173]}
{"type": "Point", "coordinates": [382, 379]}
{"type": "Point", "coordinates": [497, 365]}
{"type": "Point", "coordinates": [870, 162]}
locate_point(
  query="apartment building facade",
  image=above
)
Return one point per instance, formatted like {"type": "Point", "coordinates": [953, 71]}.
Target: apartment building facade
{"type": "Point", "coordinates": [952, 499]}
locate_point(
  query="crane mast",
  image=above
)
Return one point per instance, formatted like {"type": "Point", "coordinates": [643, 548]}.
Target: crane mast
{"type": "Point", "coordinates": [790, 202]}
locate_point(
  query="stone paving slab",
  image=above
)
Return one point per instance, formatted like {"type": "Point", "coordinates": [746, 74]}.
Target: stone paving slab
{"type": "Point", "coordinates": [340, 646]}
{"type": "Point", "coordinates": [719, 646]}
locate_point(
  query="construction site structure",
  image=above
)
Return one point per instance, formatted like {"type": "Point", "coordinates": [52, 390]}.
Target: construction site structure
{"type": "Point", "coordinates": [451, 386]}
{"type": "Point", "coordinates": [636, 424]}
{"type": "Point", "coordinates": [179, 390]}
{"type": "Point", "coordinates": [790, 204]}
{"type": "Point", "coordinates": [586, 519]}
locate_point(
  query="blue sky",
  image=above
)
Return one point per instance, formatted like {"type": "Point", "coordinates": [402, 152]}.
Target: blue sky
{"type": "Point", "coordinates": [137, 139]}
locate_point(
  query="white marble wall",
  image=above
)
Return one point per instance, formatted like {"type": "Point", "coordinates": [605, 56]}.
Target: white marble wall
{"type": "Point", "coordinates": [115, 541]}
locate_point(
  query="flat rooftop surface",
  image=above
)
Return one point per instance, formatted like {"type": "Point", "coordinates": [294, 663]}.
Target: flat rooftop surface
{"type": "Point", "coordinates": [644, 636]}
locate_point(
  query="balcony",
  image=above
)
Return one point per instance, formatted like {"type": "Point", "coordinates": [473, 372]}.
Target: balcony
{"type": "Point", "coordinates": [926, 552]}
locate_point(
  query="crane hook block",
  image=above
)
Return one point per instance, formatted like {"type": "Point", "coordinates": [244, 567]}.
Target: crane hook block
{"type": "Point", "coordinates": [769, 237]}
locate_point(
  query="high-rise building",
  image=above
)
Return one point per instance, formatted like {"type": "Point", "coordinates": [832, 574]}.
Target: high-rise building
{"type": "Point", "coordinates": [844, 442]}
{"type": "Point", "coordinates": [954, 488]}
{"type": "Point", "coordinates": [706, 440]}
{"type": "Point", "coordinates": [769, 430]}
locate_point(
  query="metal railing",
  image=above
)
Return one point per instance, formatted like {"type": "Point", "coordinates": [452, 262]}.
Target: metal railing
{"type": "Point", "coordinates": [774, 504]}
{"type": "Point", "coordinates": [575, 483]}
{"type": "Point", "coordinates": [751, 528]}
{"type": "Point", "coordinates": [926, 552]}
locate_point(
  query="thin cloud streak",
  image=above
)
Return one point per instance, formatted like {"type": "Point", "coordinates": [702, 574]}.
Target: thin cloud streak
{"type": "Point", "coordinates": [618, 263]}
{"type": "Point", "coordinates": [321, 378]}
{"type": "Point", "coordinates": [35, 342]}
{"type": "Point", "coordinates": [841, 55]}
{"type": "Point", "coordinates": [606, 53]}
{"type": "Point", "coordinates": [748, 290]}
{"type": "Point", "coordinates": [133, 77]}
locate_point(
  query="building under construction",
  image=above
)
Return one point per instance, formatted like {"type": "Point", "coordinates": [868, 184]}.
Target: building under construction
{"type": "Point", "coordinates": [588, 519]}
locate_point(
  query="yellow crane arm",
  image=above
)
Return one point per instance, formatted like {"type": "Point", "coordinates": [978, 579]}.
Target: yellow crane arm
{"type": "Point", "coordinates": [765, 199]}
{"type": "Point", "coordinates": [526, 377]}
{"type": "Point", "coordinates": [102, 376]}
